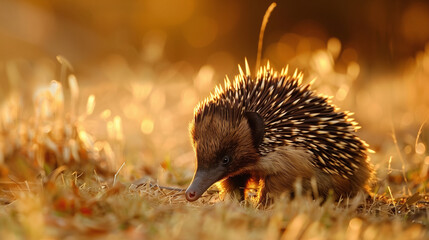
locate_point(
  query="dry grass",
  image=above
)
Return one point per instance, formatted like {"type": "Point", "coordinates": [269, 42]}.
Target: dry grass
{"type": "Point", "coordinates": [94, 173]}
{"type": "Point", "coordinates": [85, 207]}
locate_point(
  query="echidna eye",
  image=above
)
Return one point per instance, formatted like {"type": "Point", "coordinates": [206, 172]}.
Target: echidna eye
{"type": "Point", "coordinates": [225, 160]}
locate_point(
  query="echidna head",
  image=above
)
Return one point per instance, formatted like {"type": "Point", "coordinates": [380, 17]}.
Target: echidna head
{"type": "Point", "coordinates": [223, 148]}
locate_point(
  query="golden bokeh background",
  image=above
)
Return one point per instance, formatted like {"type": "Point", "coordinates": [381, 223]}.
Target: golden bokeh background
{"type": "Point", "coordinates": [141, 67]}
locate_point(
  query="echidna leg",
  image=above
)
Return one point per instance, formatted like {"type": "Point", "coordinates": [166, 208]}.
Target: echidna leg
{"type": "Point", "coordinates": [235, 186]}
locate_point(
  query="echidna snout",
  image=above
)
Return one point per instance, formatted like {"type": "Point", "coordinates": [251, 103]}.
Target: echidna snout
{"type": "Point", "coordinates": [201, 182]}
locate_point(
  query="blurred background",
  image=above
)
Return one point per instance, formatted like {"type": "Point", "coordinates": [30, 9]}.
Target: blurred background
{"type": "Point", "coordinates": [144, 65]}
{"type": "Point", "coordinates": [383, 33]}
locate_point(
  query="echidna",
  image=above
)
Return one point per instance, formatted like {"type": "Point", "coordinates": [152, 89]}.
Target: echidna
{"type": "Point", "coordinates": [274, 130]}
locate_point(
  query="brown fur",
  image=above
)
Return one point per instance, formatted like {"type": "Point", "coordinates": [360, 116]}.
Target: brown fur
{"type": "Point", "coordinates": [287, 165]}
{"type": "Point", "coordinates": [214, 137]}
{"type": "Point", "coordinates": [278, 171]}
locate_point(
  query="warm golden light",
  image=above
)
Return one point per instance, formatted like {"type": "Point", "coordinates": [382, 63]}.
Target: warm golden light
{"type": "Point", "coordinates": [90, 105]}
{"type": "Point", "coordinates": [117, 126]}
{"type": "Point", "coordinates": [420, 148]}
{"type": "Point", "coordinates": [96, 100]}
{"type": "Point", "coordinates": [334, 47]}
{"type": "Point", "coordinates": [106, 114]}
{"type": "Point", "coordinates": [353, 70]}
{"type": "Point", "coordinates": [147, 126]}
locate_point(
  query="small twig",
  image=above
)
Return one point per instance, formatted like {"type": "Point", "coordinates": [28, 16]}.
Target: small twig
{"type": "Point", "coordinates": [420, 132]}
{"type": "Point", "coordinates": [261, 33]}
{"type": "Point", "coordinates": [389, 166]}
{"type": "Point", "coordinates": [16, 182]}
{"type": "Point", "coordinates": [395, 141]}
{"type": "Point", "coordinates": [65, 64]}
{"type": "Point", "coordinates": [167, 188]}
{"type": "Point", "coordinates": [411, 200]}
{"type": "Point", "coordinates": [117, 173]}
{"type": "Point", "coordinates": [162, 191]}
{"type": "Point", "coordinates": [180, 190]}
{"type": "Point", "coordinates": [97, 177]}
{"type": "Point", "coordinates": [392, 198]}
